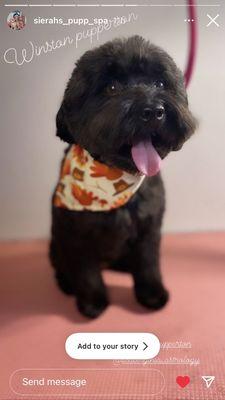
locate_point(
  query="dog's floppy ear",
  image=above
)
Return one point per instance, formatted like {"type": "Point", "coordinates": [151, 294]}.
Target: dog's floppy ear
{"type": "Point", "coordinates": [71, 104]}
{"type": "Point", "coordinates": [61, 126]}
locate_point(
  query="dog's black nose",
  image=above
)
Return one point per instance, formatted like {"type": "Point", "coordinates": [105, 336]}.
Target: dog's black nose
{"type": "Point", "coordinates": [156, 113]}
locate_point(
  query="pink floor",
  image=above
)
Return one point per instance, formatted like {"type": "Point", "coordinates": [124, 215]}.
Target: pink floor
{"type": "Point", "coordinates": [36, 319]}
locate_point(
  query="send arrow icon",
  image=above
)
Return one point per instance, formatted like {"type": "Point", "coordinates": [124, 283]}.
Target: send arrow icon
{"type": "Point", "coordinates": [208, 380]}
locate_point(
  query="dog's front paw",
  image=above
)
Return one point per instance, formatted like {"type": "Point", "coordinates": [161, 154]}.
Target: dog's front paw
{"type": "Point", "coordinates": [152, 296]}
{"type": "Point", "coordinates": [94, 308]}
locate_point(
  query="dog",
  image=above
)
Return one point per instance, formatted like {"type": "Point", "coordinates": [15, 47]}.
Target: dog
{"type": "Point", "coordinates": [124, 109]}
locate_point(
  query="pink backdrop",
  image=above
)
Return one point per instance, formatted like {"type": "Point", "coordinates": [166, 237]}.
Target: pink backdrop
{"type": "Point", "coordinates": [36, 319]}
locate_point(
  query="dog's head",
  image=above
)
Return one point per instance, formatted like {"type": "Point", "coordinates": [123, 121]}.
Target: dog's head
{"type": "Point", "coordinates": [126, 104]}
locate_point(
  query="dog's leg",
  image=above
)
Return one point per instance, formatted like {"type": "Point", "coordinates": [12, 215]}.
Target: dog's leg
{"type": "Point", "coordinates": [58, 263]}
{"type": "Point", "coordinates": [77, 272]}
{"type": "Point", "coordinates": [90, 290]}
{"type": "Point", "coordinates": [145, 264]}
{"type": "Point", "coordinates": [82, 278]}
{"type": "Point", "coordinates": [64, 283]}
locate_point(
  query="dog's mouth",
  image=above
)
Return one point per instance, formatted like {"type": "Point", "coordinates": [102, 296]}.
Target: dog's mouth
{"type": "Point", "coordinates": [146, 155]}
{"type": "Point", "coordinates": [146, 158]}
{"type": "Point", "coordinates": [146, 147]}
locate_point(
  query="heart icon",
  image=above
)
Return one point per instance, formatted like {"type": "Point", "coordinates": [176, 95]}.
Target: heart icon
{"type": "Point", "coordinates": [183, 381]}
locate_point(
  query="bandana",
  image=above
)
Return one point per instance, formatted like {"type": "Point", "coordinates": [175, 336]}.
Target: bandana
{"type": "Point", "coordinates": [86, 184]}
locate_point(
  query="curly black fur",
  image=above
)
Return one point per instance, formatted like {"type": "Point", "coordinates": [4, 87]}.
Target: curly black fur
{"type": "Point", "coordinates": [101, 109]}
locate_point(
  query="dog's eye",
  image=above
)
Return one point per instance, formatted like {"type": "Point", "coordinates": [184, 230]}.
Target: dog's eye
{"type": "Point", "coordinates": [159, 84]}
{"type": "Point", "coordinates": [113, 88]}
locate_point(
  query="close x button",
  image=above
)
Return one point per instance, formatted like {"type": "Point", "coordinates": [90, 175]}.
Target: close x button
{"type": "Point", "coordinates": [213, 20]}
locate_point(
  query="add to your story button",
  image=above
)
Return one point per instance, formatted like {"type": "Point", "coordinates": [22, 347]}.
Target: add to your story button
{"type": "Point", "coordinates": [112, 346]}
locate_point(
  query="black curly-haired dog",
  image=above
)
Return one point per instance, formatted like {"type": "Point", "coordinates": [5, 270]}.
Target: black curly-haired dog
{"type": "Point", "coordinates": [126, 105]}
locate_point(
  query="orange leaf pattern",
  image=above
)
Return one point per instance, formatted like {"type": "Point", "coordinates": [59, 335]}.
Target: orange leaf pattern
{"type": "Point", "coordinates": [86, 184]}
{"type": "Point", "coordinates": [65, 170]}
{"type": "Point", "coordinates": [79, 154]}
{"type": "Point", "coordinates": [121, 200]}
{"type": "Point", "coordinates": [85, 198]}
{"type": "Point", "coordinates": [58, 202]}
{"type": "Point", "coordinates": [100, 170]}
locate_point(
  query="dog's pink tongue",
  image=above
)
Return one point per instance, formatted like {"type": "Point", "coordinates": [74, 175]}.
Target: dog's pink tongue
{"type": "Point", "coordinates": [146, 158]}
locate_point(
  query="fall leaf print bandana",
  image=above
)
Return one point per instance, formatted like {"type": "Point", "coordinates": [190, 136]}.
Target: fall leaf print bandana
{"type": "Point", "coordinates": [86, 184]}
